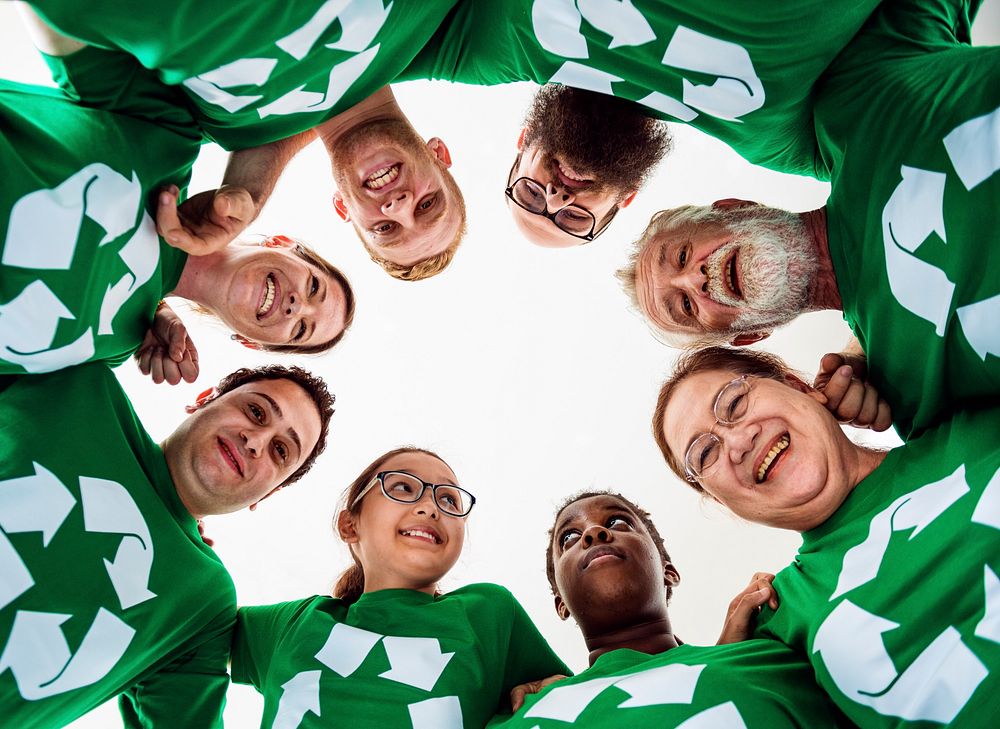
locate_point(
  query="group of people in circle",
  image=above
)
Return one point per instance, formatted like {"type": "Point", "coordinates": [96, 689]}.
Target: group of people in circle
{"type": "Point", "coordinates": [889, 615]}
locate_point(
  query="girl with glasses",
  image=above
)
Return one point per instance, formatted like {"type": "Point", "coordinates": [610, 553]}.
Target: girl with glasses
{"type": "Point", "coordinates": [389, 649]}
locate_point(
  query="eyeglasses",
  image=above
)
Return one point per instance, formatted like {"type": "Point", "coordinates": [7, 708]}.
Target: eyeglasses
{"type": "Point", "coordinates": [408, 489]}
{"type": "Point", "coordinates": [579, 222]}
{"type": "Point", "coordinates": [731, 405]}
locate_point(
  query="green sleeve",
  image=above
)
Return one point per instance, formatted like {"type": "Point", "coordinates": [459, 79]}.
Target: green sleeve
{"type": "Point", "coordinates": [115, 81]}
{"type": "Point", "coordinates": [529, 657]}
{"type": "Point", "coordinates": [258, 630]}
{"type": "Point", "coordinates": [188, 692]}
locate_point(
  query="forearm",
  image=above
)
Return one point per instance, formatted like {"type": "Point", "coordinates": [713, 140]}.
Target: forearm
{"type": "Point", "coordinates": [257, 169]}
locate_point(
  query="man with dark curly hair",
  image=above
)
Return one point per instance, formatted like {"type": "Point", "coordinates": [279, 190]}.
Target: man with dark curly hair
{"type": "Point", "coordinates": [121, 596]}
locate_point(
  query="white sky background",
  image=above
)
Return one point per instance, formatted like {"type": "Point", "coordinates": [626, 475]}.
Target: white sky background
{"type": "Point", "coordinates": [521, 366]}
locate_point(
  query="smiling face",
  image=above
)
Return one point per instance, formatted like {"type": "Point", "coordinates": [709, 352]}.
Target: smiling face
{"type": "Point", "coordinates": [608, 570]}
{"type": "Point", "coordinates": [409, 546]}
{"type": "Point", "coordinates": [237, 448]}
{"type": "Point", "coordinates": [740, 270]}
{"type": "Point", "coordinates": [393, 187]}
{"type": "Point", "coordinates": [274, 297]}
{"type": "Point", "coordinates": [783, 464]}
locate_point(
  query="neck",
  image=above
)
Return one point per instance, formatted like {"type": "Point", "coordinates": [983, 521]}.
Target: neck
{"type": "Point", "coordinates": [867, 460]}
{"type": "Point", "coordinates": [824, 294]}
{"type": "Point", "coordinates": [199, 281]}
{"type": "Point", "coordinates": [380, 105]}
{"type": "Point", "coordinates": [652, 637]}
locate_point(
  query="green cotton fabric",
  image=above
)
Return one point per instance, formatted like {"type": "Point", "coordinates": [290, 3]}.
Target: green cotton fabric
{"type": "Point", "coordinates": [108, 589]}
{"type": "Point", "coordinates": [895, 598]}
{"type": "Point", "coordinates": [742, 72]}
{"type": "Point", "coordinates": [395, 658]}
{"type": "Point", "coordinates": [81, 266]}
{"type": "Point", "coordinates": [749, 685]}
{"type": "Point", "coordinates": [911, 130]}
{"type": "Point", "coordinates": [259, 72]}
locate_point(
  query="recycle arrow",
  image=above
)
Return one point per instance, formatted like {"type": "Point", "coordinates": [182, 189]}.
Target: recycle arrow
{"type": "Point", "coordinates": [342, 77]}
{"type": "Point", "coordinates": [444, 712]}
{"type": "Point", "coordinates": [620, 19]}
{"type": "Point", "coordinates": [299, 696]}
{"type": "Point", "coordinates": [346, 648]}
{"type": "Point", "coordinates": [140, 254]}
{"type": "Point", "coordinates": [109, 508]}
{"type": "Point", "coordinates": [28, 325]}
{"type": "Point", "coordinates": [361, 21]}
{"type": "Point", "coordinates": [416, 662]}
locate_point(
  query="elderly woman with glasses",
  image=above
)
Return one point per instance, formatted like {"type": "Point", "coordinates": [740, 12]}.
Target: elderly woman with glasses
{"type": "Point", "coordinates": [389, 649]}
{"type": "Point", "coordinates": [894, 594]}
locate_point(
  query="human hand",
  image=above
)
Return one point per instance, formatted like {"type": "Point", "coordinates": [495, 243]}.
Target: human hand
{"type": "Point", "coordinates": [206, 222]}
{"type": "Point", "coordinates": [518, 693]}
{"type": "Point", "coordinates": [167, 353]}
{"type": "Point", "coordinates": [744, 608]}
{"type": "Point", "coordinates": [842, 378]}
{"type": "Point", "coordinates": [204, 537]}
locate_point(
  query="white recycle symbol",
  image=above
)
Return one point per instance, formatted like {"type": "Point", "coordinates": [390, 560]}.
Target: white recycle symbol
{"type": "Point", "coordinates": [417, 662]}
{"type": "Point", "coordinates": [36, 651]}
{"type": "Point", "coordinates": [42, 234]}
{"type": "Point", "coordinates": [361, 20]}
{"type": "Point", "coordinates": [915, 210]}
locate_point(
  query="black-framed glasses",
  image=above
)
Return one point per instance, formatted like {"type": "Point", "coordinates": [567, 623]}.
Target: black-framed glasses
{"type": "Point", "coordinates": [731, 405]}
{"type": "Point", "coordinates": [408, 489]}
{"type": "Point", "coordinates": [529, 194]}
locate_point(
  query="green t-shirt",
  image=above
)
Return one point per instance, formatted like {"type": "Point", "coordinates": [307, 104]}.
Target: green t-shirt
{"type": "Point", "coordinates": [395, 658]}
{"type": "Point", "coordinates": [260, 71]}
{"type": "Point", "coordinates": [912, 133]}
{"type": "Point", "coordinates": [81, 265]}
{"type": "Point", "coordinates": [107, 587]}
{"type": "Point", "coordinates": [756, 683]}
{"type": "Point", "coordinates": [895, 599]}
{"type": "Point", "coordinates": [742, 72]}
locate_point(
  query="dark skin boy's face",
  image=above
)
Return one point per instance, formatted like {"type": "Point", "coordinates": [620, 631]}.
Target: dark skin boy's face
{"type": "Point", "coordinates": [608, 571]}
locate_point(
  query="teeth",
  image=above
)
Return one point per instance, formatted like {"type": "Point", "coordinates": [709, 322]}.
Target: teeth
{"type": "Point", "coordinates": [729, 273]}
{"type": "Point", "coordinates": [380, 178]}
{"type": "Point", "coordinates": [778, 447]}
{"type": "Point", "coordinates": [420, 533]}
{"type": "Point", "coordinates": [265, 306]}
{"type": "Point", "coordinates": [570, 173]}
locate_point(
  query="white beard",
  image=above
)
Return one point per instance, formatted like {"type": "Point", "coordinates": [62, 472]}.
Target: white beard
{"type": "Point", "coordinates": [776, 269]}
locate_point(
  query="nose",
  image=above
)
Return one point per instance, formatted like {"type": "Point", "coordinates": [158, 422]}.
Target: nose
{"type": "Point", "coordinates": [739, 440]}
{"type": "Point", "coordinates": [692, 279]}
{"type": "Point", "coordinates": [253, 442]}
{"type": "Point", "coordinates": [426, 506]}
{"type": "Point", "coordinates": [396, 203]}
{"type": "Point", "coordinates": [293, 304]}
{"type": "Point", "coordinates": [557, 197]}
{"type": "Point", "coordinates": [596, 534]}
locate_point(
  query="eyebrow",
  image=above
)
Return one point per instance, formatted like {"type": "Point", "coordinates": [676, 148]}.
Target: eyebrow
{"type": "Point", "coordinates": [277, 411]}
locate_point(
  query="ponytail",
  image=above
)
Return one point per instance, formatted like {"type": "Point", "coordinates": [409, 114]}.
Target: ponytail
{"type": "Point", "coordinates": [351, 584]}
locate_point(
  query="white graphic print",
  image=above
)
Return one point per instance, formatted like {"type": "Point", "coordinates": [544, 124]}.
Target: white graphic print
{"type": "Point", "coordinates": [672, 684]}
{"type": "Point", "coordinates": [416, 662]}
{"type": "Point", "coordinates": [736, 92]}
{"type": "Point", "coordinates": [36, 651]}
{"type": "Point", "coordinates": [915, 210]}
{"type": "Point", "coordinates": [939, 682]}
{"type": "Point", "coordinates": [43, 234]}
{"type": "Point", "coordinates": [360, 21]}
{"type": "Point", "coordinates": [299, 696]}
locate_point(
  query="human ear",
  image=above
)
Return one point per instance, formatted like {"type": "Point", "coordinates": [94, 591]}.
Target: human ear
{"type": "Point", "coordinates": [346, 528]}
{"type": "Point", "coordinates": [278, 241]}
{"type": "Point", "coordinates": [202, 400]}
{"type": "Point", "coordinates": [561, 610]}
{"type": "Point", "coordinates": [440, 150]}
{"type": "Point", "coordinates": [520, 140]}
{"type": "Point", "coordinates": [339, 207]}
{"type": "Point", "coordinates": [742, 340]}
{"type": "Point", "coordinates": [628, 199]}
{"type": "Point", "coordinates": [796, 384]}
{"type": "Point", "coordinates": [670, 574]}
{"type": "Point", "coordinates": [732, 203]}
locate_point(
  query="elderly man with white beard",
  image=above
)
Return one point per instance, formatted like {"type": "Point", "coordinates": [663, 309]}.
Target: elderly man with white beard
{"type": "Point", "coordinates": [905, 245]}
